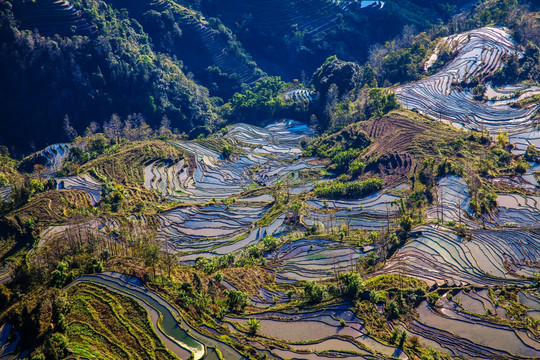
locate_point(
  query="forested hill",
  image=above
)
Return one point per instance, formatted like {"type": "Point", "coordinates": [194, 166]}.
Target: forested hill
{"type": "Point", "coordinates": [89, 59]}
{"type": "Point", "coordinates": [194, 204]}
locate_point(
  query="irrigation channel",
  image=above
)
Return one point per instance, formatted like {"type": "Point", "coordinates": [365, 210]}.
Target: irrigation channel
{"type": "Point", "coordinates": [178, 336]}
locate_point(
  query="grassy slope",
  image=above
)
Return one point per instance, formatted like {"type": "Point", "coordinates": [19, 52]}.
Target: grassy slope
{"type": "Point", "coordinates": [125, 166]}
{"type": "Point", "coordinates": [51, 207]}
{"type": "Point", "coordinates": [106, 325]}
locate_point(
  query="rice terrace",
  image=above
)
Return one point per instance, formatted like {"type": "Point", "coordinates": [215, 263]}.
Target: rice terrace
{"type": "Point", "coordinates": [269, 179]}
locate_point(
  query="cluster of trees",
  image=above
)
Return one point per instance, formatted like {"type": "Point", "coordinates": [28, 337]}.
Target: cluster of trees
{"type": "Point", "coordinates": [262, 101]}
{"type": "Point", "coordinates": [342, 152]}
{"type": "Point", "coordinates": [353, 189]}
{"type": "Point", "coordinates": [44, 78]}
{"type": "Point", "coordinates": [252, 255]}
{"type": "Point", "coordinates": [402, 59]}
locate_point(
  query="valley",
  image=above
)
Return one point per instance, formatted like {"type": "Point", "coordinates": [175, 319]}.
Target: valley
{"type": "Point", "coordinates": [343, 217]}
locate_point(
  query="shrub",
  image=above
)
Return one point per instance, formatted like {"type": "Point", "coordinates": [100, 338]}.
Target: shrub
{"type": "Point", "coordinates": [314, 292]}
{"type": "Point", "coordinates": [253, 325]}
{"type": "Point", "coordinates": [353, 285]}
{"type": "Point", "coordinates": [393, 311]}
{"type": "Point", "coordinates": [237, 300]}
{"type": "Point", "coordinates": [532, 154]}
{"type": "Point", "coordinates": [433, 297]}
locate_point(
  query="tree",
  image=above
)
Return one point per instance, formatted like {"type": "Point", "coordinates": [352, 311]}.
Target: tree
{"type": "Point", "coordinates": [253, 325]}
{"type": "Point", "coordinates": [406, 223]}
{"type": "Point", "coordinates": [151, 254]}
{"type": "Point", "coordinates": [353, 285]}
{"type": "Point", "coordinates": [165, 126]}
{"type": "Point", "coordinates": [92, 128]}
{"type": "Point", "coordinates": [314, 292]}
{"type": "Point", "coordinates": [69, 130]}
{"type": "Point", "coordinates": [502, 138]}
{"type": "Point", "coordinates": [113, 128]}
{"type": "Point", "coordinates": [226, 152]}
{"type": "Point", "coordinates": [169, 260]}
{"type": "Point", "coordinates": [237, 300]}
{"type": "Point", "coordinates": [401, 339]}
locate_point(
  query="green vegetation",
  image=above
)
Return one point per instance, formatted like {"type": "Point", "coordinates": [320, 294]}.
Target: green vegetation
{"type": "Point", "coordinates": [262, 101]}
{"type": "Point", "coordinates": [355, 189]}
{"type": "Point", "coordinates": [115, 71]}
{"type": "Point", "coordinates": [237, 300]}
{"type": "Point", "coordinates": [253, 325]}
{"type": "Point", "coordinates": [314, 292]}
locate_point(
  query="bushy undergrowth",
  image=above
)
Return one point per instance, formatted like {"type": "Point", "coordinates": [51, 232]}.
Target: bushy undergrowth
{"type": "Point", "coordinates": [353, 189]}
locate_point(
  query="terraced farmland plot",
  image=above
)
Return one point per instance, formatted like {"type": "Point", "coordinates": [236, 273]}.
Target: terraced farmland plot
{"type": "Point", "coordinates": [82, 182]}
{"type": "Point", "coordinates": [5, 193]}
{"type": "Point", "coordinates": [480, 53]}
{"type": "Point", "coordinates": [453, 201]}
{"type": "Point", "coordinates": [363, 4]}
{"type": "Point", "coordinates": [195, 229]}
{"type": "Point", "coordinates": [312, 259]}
{"type": "Point", "coordinates": [54, 157]}
{"type": "Point", "coordinates": [477, 302]}
{"type": "Point", "coordinates": [324, 326]}
{"type": "Point", "coordinates": [531, 299]}
{"type": "Point", "coordinates": [281, 139]}
{"type": "Point", "coordinates": [101, 228]}
{"type": "Point", "coordinates": [516, 210]}
{"type": "Point", "coordinates": [270, 148]}
{"type": "Point", "coordinates": [177, 335]}
{"type": "Point", "coordinates": [9, 342]}
{"type": "Point", "coordinates": [53, 17]}
{"type": "Point", "coordinates": [373, 212]}
{"type": "Point", "coordinates": [524, 139]}
{"type": "Point", "coordinates": [493, 257]}
{"type": "Point", "coordinates": [462, 334]}
{"type": "Point", "coordinates": [211, 178]}
{"type": "Point", "coordinates": [246, 72]}
{"type": "Point", "coordinates": [299, 95]}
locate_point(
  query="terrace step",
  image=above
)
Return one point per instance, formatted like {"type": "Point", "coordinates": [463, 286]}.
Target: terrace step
{"type": "Point", "coordinates": [53, 17]}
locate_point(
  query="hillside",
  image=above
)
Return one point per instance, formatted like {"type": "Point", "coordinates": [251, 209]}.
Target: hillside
{"type": "Point", "coordinates": [386, 207]}
{"type": "Point", "coordinates": [309, 31]}
{"type": "Point", "coordinates": [167, 58]}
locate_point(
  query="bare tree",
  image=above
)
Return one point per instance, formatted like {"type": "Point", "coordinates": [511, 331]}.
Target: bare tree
{"type": "Point", "coordinates": [113, 128]}
{"type": "Point", "coordinates": [165, 126]}
{"type": "Point", "coordinates": [169, 259]}
{"type": "Point", "coordinates": [69, 130]}
{"type": "Point", "coordinates": [92, 128]}
{"type": "Point", "coordinates": [128, 132]}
